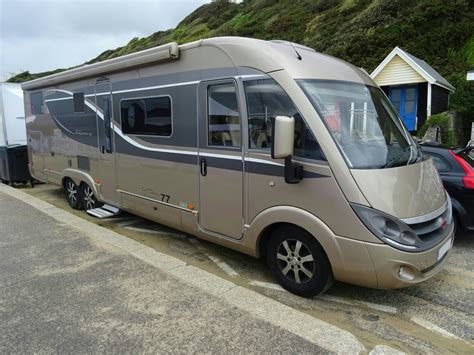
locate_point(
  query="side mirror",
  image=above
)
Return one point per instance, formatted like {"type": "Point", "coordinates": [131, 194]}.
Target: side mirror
{"type": "Point", "coordinates": [282, 147]}
{"type": "Point", "coordinates": [283, 137]}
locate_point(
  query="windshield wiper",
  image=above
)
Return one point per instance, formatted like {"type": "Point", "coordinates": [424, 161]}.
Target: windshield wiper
{"type": "Point", "coordinates": [392, 162]}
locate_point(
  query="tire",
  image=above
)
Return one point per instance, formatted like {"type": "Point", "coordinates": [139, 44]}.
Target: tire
{"type": "Point", "coordinates": [89, 200]}
{"type": "Point", "coordinates": [73, 194]}
{"type": "Point", "coordinates": [299, 262]}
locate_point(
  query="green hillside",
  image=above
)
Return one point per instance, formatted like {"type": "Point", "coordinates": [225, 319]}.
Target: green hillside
{"type": "Point", "coordinates": [362, 32]}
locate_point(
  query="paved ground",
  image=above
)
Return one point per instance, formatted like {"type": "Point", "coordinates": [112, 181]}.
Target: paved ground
{"type": "Point", "coordinates": [434, 317]}
{"type": "Point", "coordinates": [62, 290]}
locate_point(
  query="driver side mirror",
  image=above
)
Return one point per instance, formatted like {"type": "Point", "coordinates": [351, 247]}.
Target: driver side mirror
{"type": "Point", "coordinates": [282, 147]}
{"type": "Point", "coordinates": [283, 137]}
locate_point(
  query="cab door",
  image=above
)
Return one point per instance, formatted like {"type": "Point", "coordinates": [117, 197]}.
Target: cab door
{"type": "Point", "coordinates": [105, 129]}
{"type": "Point", "coordinates": [220, 159]}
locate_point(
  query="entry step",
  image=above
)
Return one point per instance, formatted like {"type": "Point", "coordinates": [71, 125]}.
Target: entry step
{"type": "Point", "coordinates": [105, 211]}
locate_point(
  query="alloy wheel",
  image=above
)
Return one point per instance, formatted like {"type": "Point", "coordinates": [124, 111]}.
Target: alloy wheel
{"type": "Point", "coordinates": [72, 192]}
{"type": "Point", "coordinates": [295, 260]}
{"type": "Point", "coordinates": [89, 198]}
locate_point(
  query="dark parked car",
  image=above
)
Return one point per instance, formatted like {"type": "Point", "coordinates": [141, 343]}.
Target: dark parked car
{"type": "Point", "coordinates": [456, 168]}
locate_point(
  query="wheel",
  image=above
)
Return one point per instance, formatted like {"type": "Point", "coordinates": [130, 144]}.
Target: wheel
{"type": "Point", "coordinates": [458, 228]}
{"type": "Point", "coordinates": [299, 262]}
{"type": "Point", "coordinates": [89, 200]}
{"type": "Point", "coordinates": [73, 194]}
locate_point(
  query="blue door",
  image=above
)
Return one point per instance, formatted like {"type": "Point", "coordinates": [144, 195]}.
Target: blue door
{"type": "Point", "coordinates": [404, 99]}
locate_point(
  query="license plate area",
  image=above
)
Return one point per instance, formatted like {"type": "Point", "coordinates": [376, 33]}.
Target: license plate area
{"type": "Point", "coordinates": [444, 249]}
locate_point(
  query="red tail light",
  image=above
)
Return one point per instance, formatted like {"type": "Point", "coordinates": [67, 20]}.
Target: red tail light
{"type": "Point", "coordinates": [468, 179]}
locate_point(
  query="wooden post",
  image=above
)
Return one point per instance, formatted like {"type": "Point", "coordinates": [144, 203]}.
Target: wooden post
{"type": "Point", "coordinates": [428, 102]}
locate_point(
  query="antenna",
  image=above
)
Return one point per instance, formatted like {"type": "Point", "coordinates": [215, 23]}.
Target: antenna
{"type": "Point", "coordinates": [297, 54]}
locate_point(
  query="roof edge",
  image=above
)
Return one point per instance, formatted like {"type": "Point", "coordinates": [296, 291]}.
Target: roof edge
{"type": "Point", "coordinates": [164, 52]}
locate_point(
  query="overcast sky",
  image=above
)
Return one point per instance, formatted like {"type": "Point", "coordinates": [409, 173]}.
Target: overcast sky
{"type": "Point", "coordinates": [39, 35]}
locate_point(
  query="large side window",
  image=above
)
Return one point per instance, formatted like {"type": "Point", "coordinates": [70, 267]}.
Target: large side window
{"type": "Point", "coordinates": [36, 100]}
{"type": "Point", "coordinates": [108, 129]}
{"type": "Point", "coordinates": [147, 116]}
{"type": "Point", "coordinates": [266, 100]}
{"type": "Point", "coordinates": [223, 116]}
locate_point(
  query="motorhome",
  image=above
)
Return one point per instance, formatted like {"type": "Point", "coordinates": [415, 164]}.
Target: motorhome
{"type": "Point", "coordinates": [266, 147]}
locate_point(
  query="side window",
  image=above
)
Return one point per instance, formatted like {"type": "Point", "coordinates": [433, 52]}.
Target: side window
{"type": "Point", "coordinates": [266, 100]}
{"type": "Point", "coordinates": [36, 100]}
{"type": "Point", "coordinates": [79, 105]}
{"type": "Point", "coordinates": [147, 116]}
{"type": "Point", "coordinates": [108, 129]}
{"type": "Point", "coordinates": [439, 162]}
{"type": "Point", "coordinates": [223, 116]}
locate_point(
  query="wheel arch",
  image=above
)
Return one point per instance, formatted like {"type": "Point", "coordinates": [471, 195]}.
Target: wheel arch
{"type": "Point", "coordinates": [79, 177]}
{"type": "Point", "coordinates": [259, 232]}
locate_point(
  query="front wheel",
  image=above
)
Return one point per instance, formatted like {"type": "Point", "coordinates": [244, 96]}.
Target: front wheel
{"type": "Point", "coordinates": [89, 200]}
{"type": "Point", "coordinates": [299, 262]}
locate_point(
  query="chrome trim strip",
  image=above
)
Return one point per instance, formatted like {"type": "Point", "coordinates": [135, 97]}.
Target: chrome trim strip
{"type": "Point", "coordinates": [426, 217]}
{"type": "Point", "coordinates": [156, 201]}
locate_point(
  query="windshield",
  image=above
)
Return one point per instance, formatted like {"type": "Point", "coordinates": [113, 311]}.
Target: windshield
{"type": "Point", "coordinates": [363, 123]}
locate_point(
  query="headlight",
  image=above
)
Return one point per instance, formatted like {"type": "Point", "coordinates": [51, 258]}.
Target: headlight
{"type": "Point", "coordinates": [388, 229]}
{"type": "Point", "coordinates": [449, 216]}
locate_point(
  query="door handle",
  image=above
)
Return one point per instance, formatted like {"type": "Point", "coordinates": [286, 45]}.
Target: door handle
{"type": "Point", "coordinates": [203, 166]}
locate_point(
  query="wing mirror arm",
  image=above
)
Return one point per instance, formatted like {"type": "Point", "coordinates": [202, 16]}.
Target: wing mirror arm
{"type": "Point", "coordinates": [282, 147]}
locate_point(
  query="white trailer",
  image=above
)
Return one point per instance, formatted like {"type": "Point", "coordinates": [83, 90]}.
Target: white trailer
{"type": "Point", "coordinates": [12, 115]}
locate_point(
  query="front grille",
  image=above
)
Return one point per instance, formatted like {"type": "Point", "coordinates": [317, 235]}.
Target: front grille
{"type": "Point", "coordinates": [434, 228]}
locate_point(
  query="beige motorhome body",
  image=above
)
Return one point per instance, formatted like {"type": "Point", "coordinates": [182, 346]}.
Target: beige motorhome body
{"type": "Point", "coordinates": [182, 135]}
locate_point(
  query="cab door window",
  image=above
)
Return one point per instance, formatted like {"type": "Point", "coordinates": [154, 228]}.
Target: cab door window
{"type": "Point", "coordinates": [223, 116]}
{"type": "Point", "coordinates": [266, 100]}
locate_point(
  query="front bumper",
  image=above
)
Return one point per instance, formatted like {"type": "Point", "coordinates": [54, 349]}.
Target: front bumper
{"type": "Point", "coordinates": [395, 268]}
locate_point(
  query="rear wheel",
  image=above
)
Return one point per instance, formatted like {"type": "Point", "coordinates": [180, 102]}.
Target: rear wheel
{"type": "Point", "coordinates": [299, 262]}
{"type": "Point", "coordinates": [89, 200]}
{"type": "Point", "coordinates": [73, 194]}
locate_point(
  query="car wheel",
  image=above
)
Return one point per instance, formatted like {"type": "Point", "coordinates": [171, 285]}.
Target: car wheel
{"type": "Point", "coordinates": [299, 262]}
{"type": "Point", "coordinates": [73, 194]}
{"type": "Point", "coordinates": [89, 200]}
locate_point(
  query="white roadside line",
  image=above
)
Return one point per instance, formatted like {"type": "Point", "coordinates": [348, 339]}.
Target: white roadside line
{"type": "Point", "coordinates": [222, 265]}
{"type": "Point", "coordinates": [124, 218]}
{"type": "Point", "coordinates": [385, 350]}
{"type": "Point", "coordinates": [149, 231]}
{"type": "Point", "coordinates": [152, 231]}
{"type": "Point", "coordinates": [434, 328]}
{"type": "Point", "coordinates": [268, 285]}
{"type": "Point", "coordinates": [129, 223]}
{"type": "Point", "coordinates": [375, 306]}
{"type": "Point", "coordinates": [378, 307]}
{"type": "Point", "coordinates": [314, 330]}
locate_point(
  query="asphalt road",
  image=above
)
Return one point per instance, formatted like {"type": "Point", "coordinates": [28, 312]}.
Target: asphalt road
{"type": "Point", "coordinates": [63, 290]}
{"type": "Point", "coordinates": [433, 317]}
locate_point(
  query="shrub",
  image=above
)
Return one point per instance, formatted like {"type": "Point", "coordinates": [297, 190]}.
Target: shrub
{"type": "Point", "coordinates": [443, 121]}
